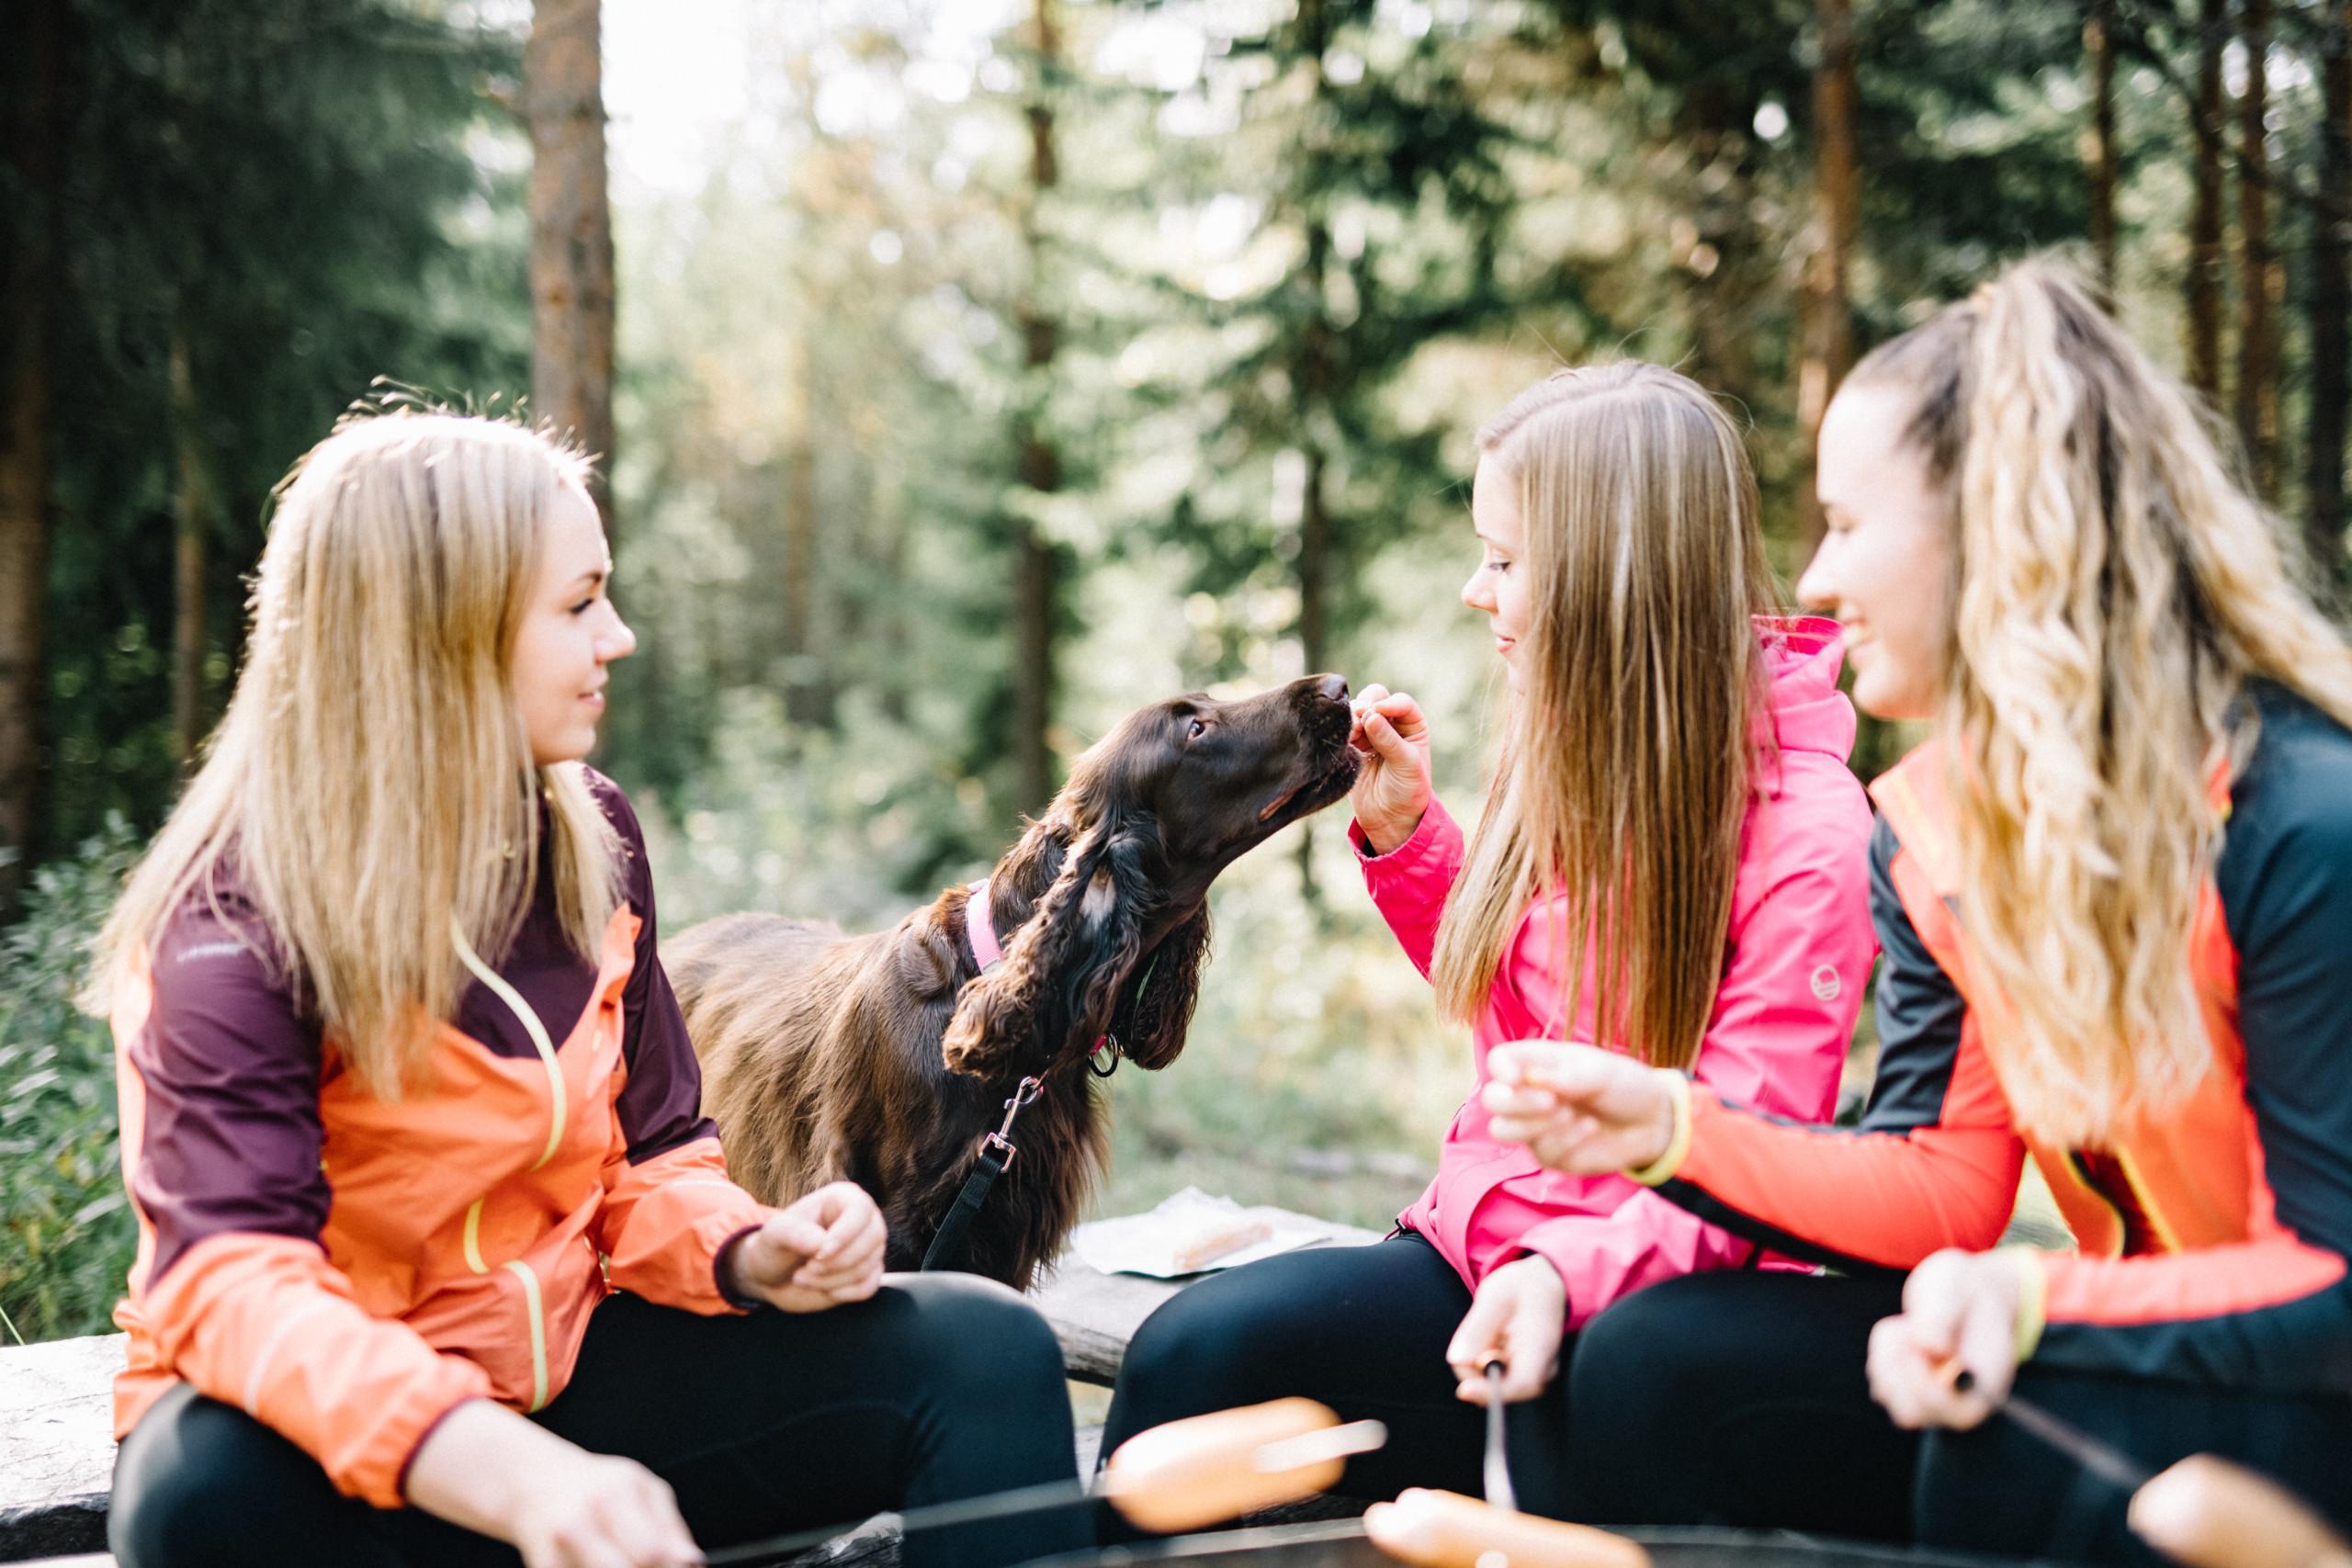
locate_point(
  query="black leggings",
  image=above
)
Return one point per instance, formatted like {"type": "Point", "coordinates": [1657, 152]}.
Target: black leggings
{"type": "Point", "coordinates": [1740, 1399]}
{"type": "Point", "coordinates": [1361, 1328]}
{"type": "Point", "coordinates": [941, 1387]}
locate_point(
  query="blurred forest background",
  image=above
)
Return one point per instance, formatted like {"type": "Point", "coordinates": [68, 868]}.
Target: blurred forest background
{"type": "Point", "coordinates": [973, 370]}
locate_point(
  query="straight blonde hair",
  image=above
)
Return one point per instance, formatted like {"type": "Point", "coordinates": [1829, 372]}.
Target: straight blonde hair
{"type": "Point", "coordinates": [1630, 751]}
{"type": "Point", "coordinates": [2116, 588]}
{"type": "Point", "coordinates": [371, 788]}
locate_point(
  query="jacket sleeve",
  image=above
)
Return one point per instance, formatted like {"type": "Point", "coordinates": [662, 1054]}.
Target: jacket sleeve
{"type": "Point", "coordinates": [2274, 1311]}
{"type": "Point", "coordinates": [222, 1137]}
{"type": "Point", "coordinates": [1410, 884]}
{"type": "Point", "coordinates": [1784, 1012]}
{"type": "Point", "coordinates": [1934, 1163]}
{"type": "Point", "coordinates": [670, 1207]}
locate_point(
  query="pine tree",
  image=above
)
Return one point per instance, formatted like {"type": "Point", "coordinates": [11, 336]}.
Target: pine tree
{"type": "Point", "coordinates": [572, 231]}
{"type": "Point", "coordinates": [27, 382]}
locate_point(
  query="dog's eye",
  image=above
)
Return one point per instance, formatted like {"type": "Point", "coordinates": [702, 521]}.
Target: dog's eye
{"type": "Point", "coordinates": [1199, 728]}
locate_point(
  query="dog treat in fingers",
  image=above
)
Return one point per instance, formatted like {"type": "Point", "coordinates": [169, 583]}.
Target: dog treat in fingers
{"type": "Point", "coordinates": [1205, 1470]}
{"type": "Point", "coordinates": [1444, 1530]}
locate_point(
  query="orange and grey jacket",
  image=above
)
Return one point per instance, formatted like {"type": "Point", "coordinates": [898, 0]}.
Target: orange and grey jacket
{"type": "Point", "coordinates": [2213, 1238]}
{"type": "Point", "coordinates": [348, 1270]}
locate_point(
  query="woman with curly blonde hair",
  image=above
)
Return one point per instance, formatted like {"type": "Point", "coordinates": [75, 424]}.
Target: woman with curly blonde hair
{"type": "Point", "coordinates": [2112, 891]}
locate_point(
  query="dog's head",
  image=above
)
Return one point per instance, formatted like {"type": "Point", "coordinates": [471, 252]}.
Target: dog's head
{"type": "Point", "coordinates": [1111, 886]}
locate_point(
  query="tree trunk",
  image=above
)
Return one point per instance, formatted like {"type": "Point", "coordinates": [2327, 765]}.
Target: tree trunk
{"type": "Point", "coordinates": [1315, 384]}
{"type": "Point", "coordinates": [2098, 155]}
{"type": "Point", "coordinates": [1312, 375]}
{"type": "Point", "coordinates": [2258, 391]}
{"type": "Point", "coordinates": [2205, 217]}
{"type": "Point", "coordinates": [2331, 298]}
{"type": "Point", "coordinates": [1035, 571]}
{"type": "Point", "coordinates": [808, 694]}
{"type": "Point", "coordinates": [192, 521]}
{"type": "Point", "coordinates": [1827, 315]}
{"type": "Point", "coordinates": [27, 365]}
{"type": "Point", "coordinates": [571, 233]}
{"type": "Point", "coordinates": [894, 625]}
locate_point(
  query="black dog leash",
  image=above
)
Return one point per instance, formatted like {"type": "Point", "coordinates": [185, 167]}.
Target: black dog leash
{"type": "Point", "coordinates": [996, 1157]}
{"type": "Point", "coordinates": [997, 1150]}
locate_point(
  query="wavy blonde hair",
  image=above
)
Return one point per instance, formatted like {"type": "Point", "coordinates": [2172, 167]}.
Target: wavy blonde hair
{"type": "Point", "coordinates": [2116, 589]}
{"type": "Point", "coordinates": [372, 783]}
{"type": "Point", "coordinates": [1630, 751]}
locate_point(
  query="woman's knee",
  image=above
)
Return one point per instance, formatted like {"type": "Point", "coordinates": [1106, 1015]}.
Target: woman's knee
{"type": "Point", "coordinates": [1209, 1347]}
{"type": "Point", "coordinates": [1643, 1355]}
{"type": "Point", "coordinates": [975, 1331]}
{"type": "Point", "coordinates": [167, 1516]}
{"type": "Point", "coordinates": [200, 1484]}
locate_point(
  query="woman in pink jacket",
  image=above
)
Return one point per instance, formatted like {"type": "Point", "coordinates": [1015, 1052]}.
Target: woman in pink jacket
{"type": "Point", "coordinates": [1671, 864]}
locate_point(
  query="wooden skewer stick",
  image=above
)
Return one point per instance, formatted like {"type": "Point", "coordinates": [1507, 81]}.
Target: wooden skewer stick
{"type": "Point", "coordinates": [2204, 1512]}
{"type": "Point", "coordinates": [1181, 1476]}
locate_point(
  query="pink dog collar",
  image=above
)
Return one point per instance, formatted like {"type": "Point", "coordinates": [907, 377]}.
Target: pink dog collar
{"type": "Point", "coordinates": [980, 927]}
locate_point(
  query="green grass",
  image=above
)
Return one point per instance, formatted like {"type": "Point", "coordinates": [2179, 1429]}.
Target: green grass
{"type": "Point", "coordinates": [66, 1234]}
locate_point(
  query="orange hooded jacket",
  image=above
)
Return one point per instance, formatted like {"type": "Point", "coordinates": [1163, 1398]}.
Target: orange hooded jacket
{"type": "Point", "coordinates": [347, 1270]}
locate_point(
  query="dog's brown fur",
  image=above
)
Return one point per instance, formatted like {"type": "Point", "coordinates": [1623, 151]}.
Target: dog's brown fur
{"type": "Point", "coordinates": [886, 1059]}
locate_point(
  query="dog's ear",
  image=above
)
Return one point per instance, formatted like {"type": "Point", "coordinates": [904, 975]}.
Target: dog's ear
{"type": "Point", "coordinates": [1054, 992]}
{"type": "Point", "coordinates": [1170, 984]}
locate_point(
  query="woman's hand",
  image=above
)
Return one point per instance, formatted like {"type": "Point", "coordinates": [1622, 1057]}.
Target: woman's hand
{"type": "Point", "coordinates": [1959, 1315]}
{"type": "Point", "coordinates": [500, 1474]}
{"type": "Point", "coordinates": [1518, 1317]}
{"type": "Point", "coordinates": [823, 1250]}
{"type": "Point", "coordinates": [1392, 790]}
{"type": "Point", "coordinates": [1578, 1108]}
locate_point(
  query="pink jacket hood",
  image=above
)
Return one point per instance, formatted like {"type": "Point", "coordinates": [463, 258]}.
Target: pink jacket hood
{"type": "Point", "coordinates": [1796, 959]}
{"type": "Point", "coordinates": [1802, 658]}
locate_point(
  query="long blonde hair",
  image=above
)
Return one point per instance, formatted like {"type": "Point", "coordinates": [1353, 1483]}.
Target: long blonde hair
{"type": "Point", "coordinates": [372, 783]}
{"type": "Point", "coordinates": [2116, 590]}
{"type": "Point", "coordinates": [1630, 751]}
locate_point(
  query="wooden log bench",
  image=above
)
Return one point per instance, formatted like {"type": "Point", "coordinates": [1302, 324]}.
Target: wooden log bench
{"type": "Point", "coordinates": [56, 1423]}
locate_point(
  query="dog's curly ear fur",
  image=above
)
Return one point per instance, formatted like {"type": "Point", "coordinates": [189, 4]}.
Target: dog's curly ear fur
{"type": "Point", "coordinates": [1059, 980]}
{"type": "Point", "coordinates": [1153, 1033]}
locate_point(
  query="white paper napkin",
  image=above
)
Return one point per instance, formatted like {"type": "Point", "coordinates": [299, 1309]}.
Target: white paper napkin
{"type": "Point", "coordinates": [1147, 1243]}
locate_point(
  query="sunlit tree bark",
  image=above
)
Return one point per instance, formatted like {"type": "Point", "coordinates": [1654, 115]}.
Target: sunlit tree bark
{"type": "Point", "coordinates": [191, 529]}
{"type": "Point", "coordinates": [2330, 298]}
{"type": "Point", "coordinates": [572, 230]}
{"type": "Point", "coordinates": [1035, 569]}
{"type": "Point", "coordinates": [1826, 313]}
{"type": "Point", "coordinates": [2098, 153]}
{"type": "Point", "coordinates": [2257, 389]}
{"type": "Point", "coordinates": [2205, 216]}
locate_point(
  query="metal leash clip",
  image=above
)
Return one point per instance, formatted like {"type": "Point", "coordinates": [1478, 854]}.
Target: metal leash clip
{"type": "Point", "coordinates": [1027, 1090]}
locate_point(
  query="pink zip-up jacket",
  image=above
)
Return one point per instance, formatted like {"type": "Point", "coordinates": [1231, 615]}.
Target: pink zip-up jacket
{"type": "Point", "coordinates": [1796, 961]}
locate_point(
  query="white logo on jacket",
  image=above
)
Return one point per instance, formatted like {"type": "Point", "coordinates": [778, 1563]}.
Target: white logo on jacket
{"type": "Point", "coordinates": [1825, 983]}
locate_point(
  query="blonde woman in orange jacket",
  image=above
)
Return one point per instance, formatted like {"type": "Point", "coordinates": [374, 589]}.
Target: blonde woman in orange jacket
{"type": "Point", "coordinates": [438, 1259]}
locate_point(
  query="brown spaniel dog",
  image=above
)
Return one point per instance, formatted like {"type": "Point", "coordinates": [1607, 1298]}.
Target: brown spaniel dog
{"type": "Point", "coordinates": [887, 1059]}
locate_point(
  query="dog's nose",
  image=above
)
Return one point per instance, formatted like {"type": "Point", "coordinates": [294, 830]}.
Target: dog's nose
{"type": "Point", "coordinates": [1332, 686]}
